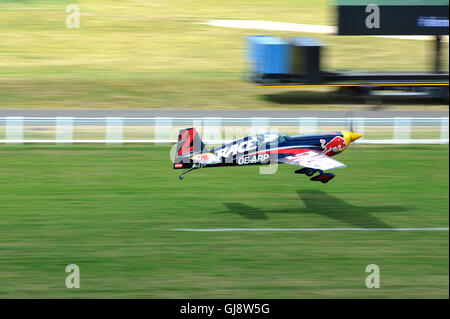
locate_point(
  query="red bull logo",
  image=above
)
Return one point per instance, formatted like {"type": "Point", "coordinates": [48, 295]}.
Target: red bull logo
{"type": "Point", "coordinates": [202, 158]}
{"type": "Point", "coordinates": [207, 158]}
{"type": "Point", "coordinates": [336, 145]}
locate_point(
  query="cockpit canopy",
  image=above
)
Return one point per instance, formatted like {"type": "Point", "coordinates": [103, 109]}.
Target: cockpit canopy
{"type": "Point", "coordinates": [270, 137]}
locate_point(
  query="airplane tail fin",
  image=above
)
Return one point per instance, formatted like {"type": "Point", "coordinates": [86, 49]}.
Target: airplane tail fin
{"type": "Point", "coordinates": [189, 144]}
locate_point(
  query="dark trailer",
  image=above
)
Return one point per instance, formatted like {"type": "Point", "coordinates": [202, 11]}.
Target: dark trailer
{"type": "Point", "coordinates": [296, 61]}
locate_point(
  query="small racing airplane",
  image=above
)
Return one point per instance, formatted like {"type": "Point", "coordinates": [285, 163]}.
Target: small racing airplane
{"type": "Point", "coordinates": [311, 152]}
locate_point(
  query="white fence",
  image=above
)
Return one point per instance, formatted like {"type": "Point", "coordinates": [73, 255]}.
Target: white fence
{"type": "Point", "coordinates": [115, 130]}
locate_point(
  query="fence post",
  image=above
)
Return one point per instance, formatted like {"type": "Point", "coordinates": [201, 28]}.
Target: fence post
{"type": "Point", "coordinates": [212, 129]}
{"type": "Point", "coordinates": [14, 129]}
{"type": "Point", "coordinates": [64, 130]}
{"type": "Point", "coordinates": [259, 125]}
{"type": "Point", "coordinates": [114, 130]}
{"type": "Point", "coordinates": [163, 128]}
{"type": "Point", "coordinates": [358, 125]}
{"type": "Point", "coordinates": [444, 130]}
{"type": "Point", "coordinates": [307, 125]}
{"type": "Point", "coordinates": [402, 128]}
{"type": "Point", "coordinates": [197, 124]}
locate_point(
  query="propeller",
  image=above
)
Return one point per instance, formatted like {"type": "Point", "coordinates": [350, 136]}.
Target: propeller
{"type": "Point", "coordinates": [350, 125]}
{"type": "Point", "coordinates": [349, 121]}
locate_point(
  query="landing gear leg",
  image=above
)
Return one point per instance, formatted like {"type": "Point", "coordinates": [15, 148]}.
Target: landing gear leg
{"type": "Point", "coordinates": [321, 177]}
{"type": "Point", "coordinates": [307, 171]}
{"type": "Point", "coordinates": [195, 166]}
{"type": "Point", "coordinates": [185, 172]}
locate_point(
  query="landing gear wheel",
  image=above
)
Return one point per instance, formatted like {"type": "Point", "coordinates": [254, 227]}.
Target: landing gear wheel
{"type": "Point", "coordinates": [324, 178]}
{"type": "Point", "coordinates": [307, 171]}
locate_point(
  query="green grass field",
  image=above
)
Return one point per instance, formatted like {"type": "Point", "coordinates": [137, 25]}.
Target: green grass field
{"type": "Point", "coordinates": [140, 54]}
{"type": "Point", "coordinates": [112, 210]}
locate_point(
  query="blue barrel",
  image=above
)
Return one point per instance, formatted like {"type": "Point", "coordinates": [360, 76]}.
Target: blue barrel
{"type": "Point", "coordinates": [269, 55]}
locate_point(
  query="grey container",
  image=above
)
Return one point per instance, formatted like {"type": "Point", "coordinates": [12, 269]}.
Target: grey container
{"type": "Point", "coordinates": [305, 59]}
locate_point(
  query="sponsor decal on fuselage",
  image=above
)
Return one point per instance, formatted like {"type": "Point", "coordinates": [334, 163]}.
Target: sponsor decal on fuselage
{"type": "Point", "coordinates": [205, 158]}
{"type": "Point", "coordinates": [336, 145]}
{"type": "Point", "coordinates": [242, 147]}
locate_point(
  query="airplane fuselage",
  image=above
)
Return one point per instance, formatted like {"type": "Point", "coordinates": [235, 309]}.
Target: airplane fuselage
{"type": "Point", "coordinates": [269, 147]}
{"type": "Point", "coordinates": [311, 152]}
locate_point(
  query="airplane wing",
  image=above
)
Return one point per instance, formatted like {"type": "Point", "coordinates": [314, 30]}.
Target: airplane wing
{"type": "Point", "coordinates": [312, 159]}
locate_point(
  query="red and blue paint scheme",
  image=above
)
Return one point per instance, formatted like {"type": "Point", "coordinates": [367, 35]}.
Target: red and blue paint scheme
{"type": "Point", "coordinates": [312, 152]}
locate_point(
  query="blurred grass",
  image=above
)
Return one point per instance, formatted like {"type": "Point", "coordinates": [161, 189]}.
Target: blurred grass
{"type": "Point", "coordinates": [157, 54]}
{"type": "Point", "coordinates": [111, 210]}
